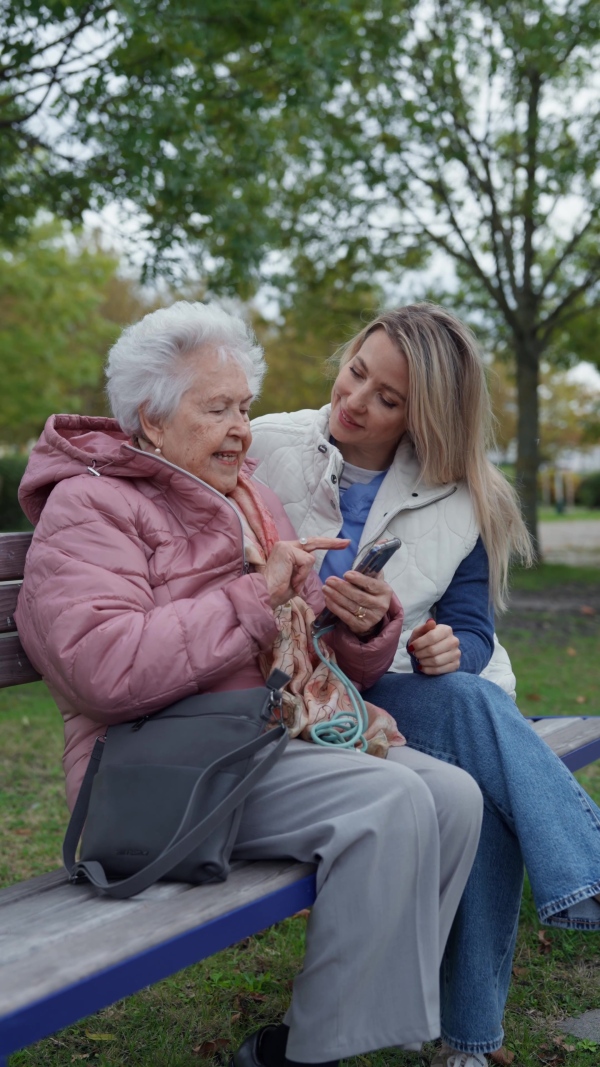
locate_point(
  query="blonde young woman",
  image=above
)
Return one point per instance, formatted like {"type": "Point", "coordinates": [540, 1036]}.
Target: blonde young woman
{"type": "Point", "coordinates": [401, 451]}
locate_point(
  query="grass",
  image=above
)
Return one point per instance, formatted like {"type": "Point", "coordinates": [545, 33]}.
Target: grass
{"type": "Point", "coordinates": [193, 1018]}
{"type": "Point", "coordinates": [555, 654]}
{"type": "Point", "coordinates": [570, 687]}
{"type": "Point", "coordinates": [549, 514]}
{"type": "Point", "coordinates": [555, 576]}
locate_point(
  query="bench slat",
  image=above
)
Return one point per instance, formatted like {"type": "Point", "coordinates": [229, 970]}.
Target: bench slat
{"type": "Point", "coordinates": [126, 927]}
{"type": "Point", "coordinates": [9, 592]}
{"type": "Point", "coordinates": [13, 549]}
{"type": "Point", "coordinates": [545, 727]}
{"type": "Point", "coordinates": [569, 734]}
{"type": "Point", "coordinates": [15, 668]}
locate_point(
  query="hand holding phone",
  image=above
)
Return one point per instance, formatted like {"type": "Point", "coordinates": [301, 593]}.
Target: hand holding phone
{"type": "Point", "coordinates": [371, 564]}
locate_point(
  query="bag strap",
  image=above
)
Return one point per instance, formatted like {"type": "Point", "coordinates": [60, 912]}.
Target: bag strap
{"type": "Point", "coordinates": [179, 847]}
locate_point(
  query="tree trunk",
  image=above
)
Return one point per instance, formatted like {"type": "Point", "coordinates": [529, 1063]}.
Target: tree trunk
{"type": "Point", "coordinates": [528, 362]}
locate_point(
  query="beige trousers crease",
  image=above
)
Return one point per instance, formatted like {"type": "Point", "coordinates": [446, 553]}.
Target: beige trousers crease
{"type": "Point", "coordinates": [394, 841]}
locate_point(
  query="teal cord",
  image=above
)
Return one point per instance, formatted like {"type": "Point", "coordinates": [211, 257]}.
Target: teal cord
{"type": "Point", "coordinates": [345, 729]}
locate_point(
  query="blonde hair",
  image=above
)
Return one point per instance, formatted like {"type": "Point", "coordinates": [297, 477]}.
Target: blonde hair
{"type": "Point", "coordinates": [450, 422]}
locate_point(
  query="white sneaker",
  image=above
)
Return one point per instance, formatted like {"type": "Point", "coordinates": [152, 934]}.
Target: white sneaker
{"type": "Point", "coordinates": [449, 1057]}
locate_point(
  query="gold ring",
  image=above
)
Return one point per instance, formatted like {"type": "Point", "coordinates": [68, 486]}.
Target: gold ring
{"type": "Point", "coordinates": [360, 612]}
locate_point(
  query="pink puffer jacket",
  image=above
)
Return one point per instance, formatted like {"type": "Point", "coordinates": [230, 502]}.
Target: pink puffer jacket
{"type": "Point", "coordinates": [136, 593]}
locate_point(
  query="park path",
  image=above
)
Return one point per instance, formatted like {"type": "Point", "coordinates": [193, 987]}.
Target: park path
{"type": "Point", "coordinates": [576, 542]}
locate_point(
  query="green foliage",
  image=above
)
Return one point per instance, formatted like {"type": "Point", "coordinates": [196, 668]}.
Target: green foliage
{"type": "Point", "coordinates": [569, 411]}
{"type": "Point", "coordinates": [327, 307]}
{"type": "Point", "coordinates": [195, 113]}
{"type": "Point", "coordinates": [361, 136]}
{"type": "Point", "coordinates": [53, 333]}
{"type": "Point", "coordinates": [588, 492]}
{"type": "Point", "coordinates": [12, 469]}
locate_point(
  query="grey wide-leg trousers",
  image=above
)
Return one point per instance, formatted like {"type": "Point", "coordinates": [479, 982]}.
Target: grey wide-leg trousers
{"type": "Point", "coordinates": [394, 841]}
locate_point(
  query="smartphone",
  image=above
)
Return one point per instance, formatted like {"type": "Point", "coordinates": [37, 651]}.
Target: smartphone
{"type": "Point", "coordinates": [372, 563]}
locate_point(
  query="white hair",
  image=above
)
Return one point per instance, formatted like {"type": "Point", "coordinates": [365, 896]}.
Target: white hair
{"type": "Point", "coordinates": [147, 365]}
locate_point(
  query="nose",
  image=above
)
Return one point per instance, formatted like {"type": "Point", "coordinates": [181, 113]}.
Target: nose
{"type": "Point", "coordinates": [239, 425]}
{"type": "Point", "coordinates": [356, 399]}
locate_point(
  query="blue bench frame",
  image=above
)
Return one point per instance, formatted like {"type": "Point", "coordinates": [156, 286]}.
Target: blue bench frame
{"type": "Point", "coordinates": [77, 1001]}
{"type": "Point", "coordinates": [84, 998]}
{"type": "Point", "coordinates": [580, 757]}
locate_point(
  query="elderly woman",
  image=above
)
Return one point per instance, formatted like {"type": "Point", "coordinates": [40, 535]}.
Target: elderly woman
{"type": "Point", "coordinates": [159, 569]}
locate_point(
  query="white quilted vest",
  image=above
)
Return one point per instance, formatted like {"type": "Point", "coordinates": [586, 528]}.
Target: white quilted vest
{"type": "Point", "coordinates": [437, 526]}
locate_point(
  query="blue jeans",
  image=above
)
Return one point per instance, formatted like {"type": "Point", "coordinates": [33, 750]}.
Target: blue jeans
{"type": "Point", "coordinates": [534, 811]}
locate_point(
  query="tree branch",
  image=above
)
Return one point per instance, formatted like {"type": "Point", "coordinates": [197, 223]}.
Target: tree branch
{"type": "Point", "coordinates": [567, 250]}
{"type": "Point", "coordinates": [554, 318]}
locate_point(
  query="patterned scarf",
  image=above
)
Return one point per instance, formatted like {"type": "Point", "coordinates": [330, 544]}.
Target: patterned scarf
{"type": "Point", "coordinates": [314, 694]}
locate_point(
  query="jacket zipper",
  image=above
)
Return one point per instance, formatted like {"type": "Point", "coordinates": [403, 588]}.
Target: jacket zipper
{"type": "Point", "coordinates": [173, 466]}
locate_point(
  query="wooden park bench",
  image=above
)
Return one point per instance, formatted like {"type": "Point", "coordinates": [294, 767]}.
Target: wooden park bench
{"type": "Point", "coordinates": [66, 952]}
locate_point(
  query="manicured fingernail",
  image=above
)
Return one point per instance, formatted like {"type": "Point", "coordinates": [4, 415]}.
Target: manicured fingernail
{"type": "Point", "coordinates": [411, 648]}
{"type": "Point", "coordinates": [419, 667]}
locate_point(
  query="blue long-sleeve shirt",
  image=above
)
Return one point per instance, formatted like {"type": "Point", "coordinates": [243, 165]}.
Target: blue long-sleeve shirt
{"type": "Point", "coordinates": [464, 606]}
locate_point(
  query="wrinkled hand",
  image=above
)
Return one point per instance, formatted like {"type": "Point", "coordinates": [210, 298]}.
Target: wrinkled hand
{"type": "Point", "coordinates": [436, 648]}
{"type": "Point", "coordinates": [355, 592]}
{"type": "Point", "coordinates": [290, 563]}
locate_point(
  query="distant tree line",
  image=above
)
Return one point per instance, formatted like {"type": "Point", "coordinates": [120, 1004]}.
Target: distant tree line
{"type": "Point", "coordinates": [292, 145]}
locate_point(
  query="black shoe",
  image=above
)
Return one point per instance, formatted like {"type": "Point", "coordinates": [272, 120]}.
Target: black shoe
{"type": "Point", "coordinates": [248, 1053]}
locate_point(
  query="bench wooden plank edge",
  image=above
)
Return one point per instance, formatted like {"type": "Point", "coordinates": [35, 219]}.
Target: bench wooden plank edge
{"type": "Point", "coordinates": [75, 1002]}
{"type": "Point", "coordinates": [581, 757]}
{"type": "Point", "coordinates": [13, 549]}
{"type": "Point", "coordinates": [576, 757]}
{"type": "Point", "coordinates": [15, 668]}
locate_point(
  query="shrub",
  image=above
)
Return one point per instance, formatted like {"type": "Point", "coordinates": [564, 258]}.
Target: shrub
{"type": "Point", "coordinates": [12, 469]}
{"type": "Point", "coordinates": [588, 493]}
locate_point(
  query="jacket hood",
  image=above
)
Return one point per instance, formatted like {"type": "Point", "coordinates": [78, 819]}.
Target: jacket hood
{"type": "Point", "coordinates": [71, 445]}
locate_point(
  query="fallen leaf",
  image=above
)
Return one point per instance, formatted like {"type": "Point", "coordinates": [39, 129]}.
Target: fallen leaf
{"type": "Point", "coordinates": [210, 1048]}
{"type": "Point", "coordinates": [502, 1057]}
{"type": "Point", "coordinates": [25, 721]}
{"type": "Point", "coordinates": [235, 1017]}
{"type": "Point", "coordinates": [545, 943]}
{"type": "Point", "coordinates": [571, 652]}
{"type": "Point", "coordinates": [561, 1042]}
{"type": "Point", "coordinates": [23, 832]}
{"type": "Point", "coordinates": [258, 998]}
{"type": "Point", "coordinates": [302, 914]}
{"type": "Point", "coordinates": [99, 1037]}
{"type": "Point", "coordinates": [520, 972]}
{"type": "Point", "coordinates": [580, 700]}
{"type": "Point", "coordinates": [532, 696]}
{"type": "Point", "coordinates": [80, 1056]}
{"type": "Point", "coordinates": [585, 609]}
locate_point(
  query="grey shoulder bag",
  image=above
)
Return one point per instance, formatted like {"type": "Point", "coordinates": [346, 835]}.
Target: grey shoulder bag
{"type": "Point", "coordinates": [163, 795]}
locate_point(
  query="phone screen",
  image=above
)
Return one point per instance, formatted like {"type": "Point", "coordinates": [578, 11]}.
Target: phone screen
{"type": "Point", "coordinates": [372, 563]}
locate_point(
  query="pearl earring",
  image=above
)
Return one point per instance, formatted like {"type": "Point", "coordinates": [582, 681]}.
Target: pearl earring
{"type": "Point", "coordinates": [158, 451]}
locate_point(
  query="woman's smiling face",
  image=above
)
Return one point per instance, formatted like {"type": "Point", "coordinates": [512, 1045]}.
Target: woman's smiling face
{"type": "Point", "coordinates": [209, 433]}
{"type": "Point", "coordinates": [369, 403]}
